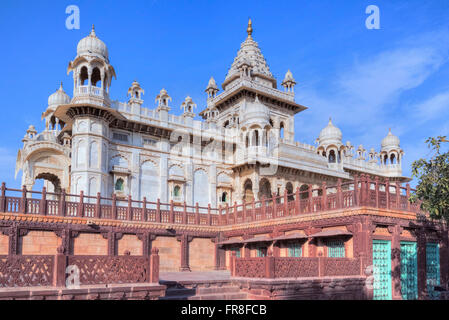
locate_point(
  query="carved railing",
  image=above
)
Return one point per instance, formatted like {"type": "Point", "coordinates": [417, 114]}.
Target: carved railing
{"type": "Point", "coordinates": [292, 267]}
{"type": "Point", "coordinates": [362, 192]}
{"type": "Point", "coordinates": [250, 267]}
{"type": "Point", "coordinates": [26, 271]}
{"type": "Point", "coordinates": [341, 266]}
{"type": "Point", "coordinates": [111, 269]}
{"type": "Point", "coordinates": [54, 270]}
{"type": "Point", "coordinates": [289, 267]}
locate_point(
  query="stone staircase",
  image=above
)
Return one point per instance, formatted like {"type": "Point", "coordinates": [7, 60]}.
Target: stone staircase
{"type": "Point", "coordinates": [214, 290]}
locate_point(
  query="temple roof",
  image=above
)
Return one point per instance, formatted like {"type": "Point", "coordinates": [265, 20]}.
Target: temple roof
{"type": "Point", "coordinates": [251, 55]}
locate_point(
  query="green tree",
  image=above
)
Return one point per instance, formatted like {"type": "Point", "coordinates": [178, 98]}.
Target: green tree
{"type": "Point", "coordinates": [433, 180]}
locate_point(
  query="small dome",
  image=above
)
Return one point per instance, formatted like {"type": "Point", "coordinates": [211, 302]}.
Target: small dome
{"type": "Point", "coordinates": [91, 45]}
{"type": "Point", "coordinates": [59, 97]}
{"type": "Point", "coordinates": [330, 132]}
{"type": "Point", "coordinates": [212, 84]}
{"type": "Point", "coordinates": [289, 77]}
{"type": "Point", "coordinates": [256, 113]}
{"type": "Point", "coordinates": [390, 141]}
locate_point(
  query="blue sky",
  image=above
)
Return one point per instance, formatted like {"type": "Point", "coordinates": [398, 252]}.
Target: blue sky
{"type": "Point", "coordinates": [366, 80]}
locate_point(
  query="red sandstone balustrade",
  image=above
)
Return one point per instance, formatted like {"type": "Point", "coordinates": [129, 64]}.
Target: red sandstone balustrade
{"type": "Point", "coordinates": [291, 267]}
{"type": "Point", "coordinates": [361, 192]}
{"type": "Point", "coordinates": [49, 270]}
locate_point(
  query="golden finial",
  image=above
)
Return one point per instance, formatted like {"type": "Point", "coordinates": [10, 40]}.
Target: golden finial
{"type": "Point", "coordinates": [250, 28]}
{"type": "Point", "coordinates": [92, 33]}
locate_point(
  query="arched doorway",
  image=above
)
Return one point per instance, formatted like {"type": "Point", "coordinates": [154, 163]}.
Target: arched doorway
{"type": "Point", "coordinates": [264, 189]}
{"type": "Point", "coordinates": [289, 188]}
{"type": "Point", "coordinates": [248, 194]}
{"type": "Point", "coordinates": [303, 192]}
{"type": "Point", "coordinates": [51, 182]}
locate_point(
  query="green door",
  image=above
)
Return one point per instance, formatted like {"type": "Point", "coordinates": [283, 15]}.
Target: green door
{"type": "Point", "coordinates": [409, 271]}
{"type": "Point", "coordinates": [382, 270]}
{"type": "Point", "coordinates": [432, 269]}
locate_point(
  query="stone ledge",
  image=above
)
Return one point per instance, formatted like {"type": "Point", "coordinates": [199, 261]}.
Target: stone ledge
{"type": "Point", "coordinates": [113, 291]}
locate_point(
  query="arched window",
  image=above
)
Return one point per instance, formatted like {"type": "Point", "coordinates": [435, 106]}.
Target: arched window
{"type": "Point", "coordinates": [176, 191]}
{"type": "Point", "coordinates": [332, 158]}
{"type": "Point", "coordinates": [83, 76]}
{"type": "Point", "coordinates": [303, 192]}
{"type": "Point", "coordinates": [96, 77]}
{"type": "Point", "coordinates": [224, 197]}
{"type": "Point", "coordinates": [281, 130]}
{"type": "Point", "coordinates": [256, 137]}
{"type": "Point", "coordinates": [119, 184]}
{"type": "Point", "coordinates": [392, 158]}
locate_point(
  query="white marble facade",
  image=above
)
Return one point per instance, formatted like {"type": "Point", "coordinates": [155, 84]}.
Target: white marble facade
{"type": "Point", "coordinates": [243, 148]}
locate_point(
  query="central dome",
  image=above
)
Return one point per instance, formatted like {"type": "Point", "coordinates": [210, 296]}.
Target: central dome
{"type": "Point", "coordinates": [91, 45]}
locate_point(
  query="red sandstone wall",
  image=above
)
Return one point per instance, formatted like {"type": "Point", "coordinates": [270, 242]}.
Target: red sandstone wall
{"type": "Point", "coordinates": [201, 254]}
{"type": "Point", "coordinates": [131, 243]}
{"type": "Point", "coordinates": [40, 243]}
{"type": "Point", "coordinates": [169, 253]}
{"type": "Point", "coordinates": [90, 244]}
{"type": "Point", "coordinates": [4, 241]}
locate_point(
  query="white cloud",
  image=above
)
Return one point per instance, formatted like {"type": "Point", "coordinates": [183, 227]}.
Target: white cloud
{"type": "Point", "coordinates": [384, 77]}
{"type": "Point", "coordinates": [432, 108]}
{"type": "Point", "coordinates": [364, 97]}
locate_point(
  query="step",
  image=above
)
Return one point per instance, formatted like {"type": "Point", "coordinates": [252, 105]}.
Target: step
{"type": "Point", "coordinates": [229, 296]}
{"type": "Point", "coordinates": [217, 290]}
{"type": "Point", "coordinates": [180, 292]}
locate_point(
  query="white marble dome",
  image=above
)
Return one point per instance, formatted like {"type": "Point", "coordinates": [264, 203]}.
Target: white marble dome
{"type": "Point", "coordinates": [58, 98]}
{"type": "Point", "coordinates": [330, 133]}
{"type": "Point", "coordinates": [390, 141]}
{"type": "Point", "coordinates": [91, 45]}
{"type": "Point", "coordinates": [289, 77]}
{"type": "Point", "coordinates": [256, 113]}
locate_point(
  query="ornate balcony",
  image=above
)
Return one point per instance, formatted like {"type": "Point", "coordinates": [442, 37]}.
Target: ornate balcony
{"type": "Point", "coordinates": [91, 94]}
